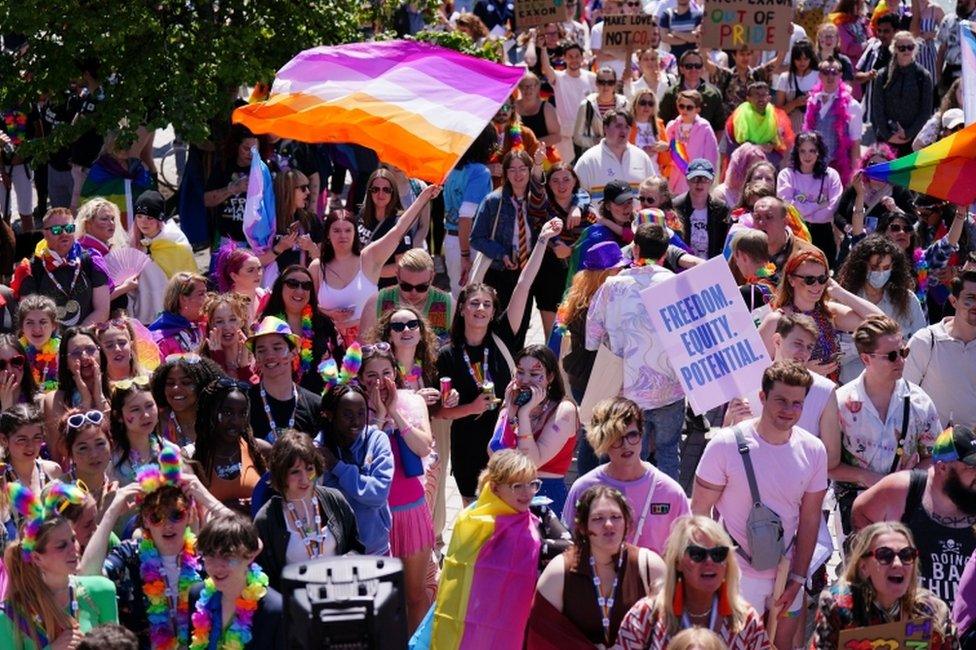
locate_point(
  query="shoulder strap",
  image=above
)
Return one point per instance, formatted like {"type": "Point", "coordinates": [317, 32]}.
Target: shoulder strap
{"type": "Point", "coordinates": [498, 211]}
{"type": "Point", "coordinates": [589, 118]}
{"type": "Point", "coordinates": [928, 363]}
{"type": "Point", "coordinates": [740, 439]}
{"type": "Point", "coordinates": [916, 488]}
{"type": "Point", "coordinates": [503, 350]}
{"type": "Point", "coordinates": [900, 446]}
{"type": "Point", "coordinates": [644, 564]}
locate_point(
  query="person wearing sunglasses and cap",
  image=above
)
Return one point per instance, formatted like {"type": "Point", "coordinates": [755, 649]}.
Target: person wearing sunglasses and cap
{"type": "Point", "coordinates": [153, 575]}
{"type": "Point", "coordinates": [64, 271]}
{"type": "Point", "coordinates": [877, 439]}
{"type": "Point", "coordinates": [880, 585]}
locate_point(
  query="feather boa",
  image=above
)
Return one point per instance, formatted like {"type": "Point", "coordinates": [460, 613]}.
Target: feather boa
{"type": "Point", "coordinates": [840, 110]}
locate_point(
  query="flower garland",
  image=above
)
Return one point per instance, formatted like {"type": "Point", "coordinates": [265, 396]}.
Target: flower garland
{"type": "Point", "coordinates": [16, 123]}
{"type": "Point", "coordinates": [921, 266]}
{"type": "Point", "coordinates": [161, 632]}
{"type": "Point", "coordinates": [305, 359]}
{"type": "Point", "coordinates": [238, 634]}
{"type": "Point", "coordinates": [44, 362]}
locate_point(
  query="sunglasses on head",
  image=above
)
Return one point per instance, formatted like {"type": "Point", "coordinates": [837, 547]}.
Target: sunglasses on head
{"type": "Point", "coordinates": [376, 189]}
{"type": "Point", "coordinates": [174, 516]}
{"type": "Point", "coordinates": [886, 556]}
{"type": "Point", "coordinates": [78, 420]}
{"type": "Point", "coordinates": [606, 82]}
{"type": "Point", "coordinates": [419, 288]}
{"type": "Point", "coordinates": [412, 324]}
{"type": "Point", "coordinates": [382, 346]}
{"type": "Point", "coordinates": [811, 280]}
{"type": "Point", "coordinates": [67, 228]}
{"type": "Point", "coordinates": [126, 384]}
{"type": "Point", "coordinates": [697, 554]}
{"type": "Point", "coordinates": [891, 356]}
{"type": "Point", "coordinates": [905, 48]}
{"type": "Point", "coordinates": [117, 323]}
{"type": "Point", "coordinates": [227, 382]}
{"type": "Point", "coordinates": [14, 362]}
{"type": "Point", "coordinates": [292, 283]}
{"type": "Point", "coordinates": [692, 66]}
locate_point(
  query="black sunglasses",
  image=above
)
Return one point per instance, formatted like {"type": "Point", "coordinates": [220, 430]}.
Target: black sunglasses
{"type": "Point", "coordinates": [895, 227]}
{"type": "Point", "coordinates": [697, 554]}
{"type": "Point", "coordinates": [419, 288]}
{"type": "Point", "coordinates": [292, 283]}
{"type": "Point", "coordinates": [893, 355]}
{"type": "Point", "coordinates": [648, 200]}
{"type": "Point", "coordinates": [375, 189]}
{"type": "Point", "coordinates": [905, 48]}
{"type": "Point", "coordinates": [645, 102]}
{"type": "Point", "coordinates": [606, 82]}
{"type": "Point", "coordinates": [886, 556]}
{"type": "Point", "coordinates": [811, 280]}
{"type": "Point", "coordinates": [412, 324]}
{"type": "Point", "coordinates": [692, 66]}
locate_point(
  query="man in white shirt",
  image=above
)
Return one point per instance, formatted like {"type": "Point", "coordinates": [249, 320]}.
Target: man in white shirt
{"type": "Point", "coordinates": [570, 87]}
{"type": "Point", "coordinates": [790, 471]}
{"type": "Point", "coordinates": [613, 159]}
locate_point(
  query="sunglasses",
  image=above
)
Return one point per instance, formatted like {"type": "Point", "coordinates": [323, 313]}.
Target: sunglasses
{"type": "Point", "coordinates": [79, 420]}
{"type": "Point", "coordinates": [898, 228]}
{"type": "Point", "coordinates": [183, 357]}
{"type": "Point", "coordinates": [891, 356]}
{"type": "Point", "coordinates": [648, 200]}
{"type": "Point", "coordinates": [173, 516]}
{"type": "Point", "coordinates": [419, 288]}
{"type": "Point", "coordinates": [413, 324]}
{"type": "Point", "coordinates": [117, 323]}
{"type": "Point", "coordinates": [67, 228]}
{"type": "Point", "coordinates": [905, 48]}
{"type": "Point", "coordinates": [830, 72]}
{"type": "Point", "coordinates": [84, 351]}
{"type": "Point", "coordinates": [382, 346]}
{"type": "Point", "coordinates": [686, 107]}
{"type": "Point", "coordinates": [531, 486]}
{"type": "Point", "coordinates": [697, 554]}
{"type": "Point", "coordinates": [646, 102]}
{"type": "Point", "coordinates": [631, 438]}
{"type": "Point", "coordinates": [14, 362]}
{"type": "Point", "coordinates": [606, 82]}
{"type": "Point", "coordinates": [811, 280]}
{"type": "Point", "coordinates": [375, 189]}
{"type": "Point", "coordinates": [292, 283]}
{"type": "Point", "coordinates": [126, 384]}
{"type": "Point", "coordinates": [692, 66]}
{"type": "Point", "coordinates": [886, 556]}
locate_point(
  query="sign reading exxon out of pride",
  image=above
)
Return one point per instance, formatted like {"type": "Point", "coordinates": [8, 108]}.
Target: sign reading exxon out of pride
{"type": "Point", "coordinates": [707, 334]}
{"type": "Point", "coordinates": [758, 24]}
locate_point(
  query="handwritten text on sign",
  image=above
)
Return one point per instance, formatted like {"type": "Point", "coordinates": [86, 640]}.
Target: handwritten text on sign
{"type": "Point", "coordinates": [758, 24]}
{"type": "Point", "coordinates": [707, 334]}
{"type": "Point", "coordinates": [532, 13]}
{"type": "Point", "coordinates": [622, 33]}
{"type": "Point", "coordinates": [904, 635]}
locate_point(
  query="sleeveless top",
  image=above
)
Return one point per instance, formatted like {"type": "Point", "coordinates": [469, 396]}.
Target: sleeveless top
{"type": "Point", "coordinates": [814, 404]}
{"type": "Point", "coordinates": [579, 594]}
{"type": "Point", "coordinates": [353, 295]}
{"type": "Point", "coordinates": [942, 551]}
{"type": "Point", "coordinates": [241, 487]}
{"type": "Point", "coordinates": [558, 464]}
{"type": "Point", "coordinates": [537, 122]}
{"type": "Point", "coordinates": [435, 309]}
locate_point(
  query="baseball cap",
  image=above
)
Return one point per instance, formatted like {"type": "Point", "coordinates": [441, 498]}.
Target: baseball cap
{"type": "Point", "coordinates": [952, 118]}
{"type": "Point", "coordinates": [955, 443]}
{"type": "Point", "coordinates": [619, 192]}
{"type": "Point", "coordinates": [700, 167]}
{"type": "Point", "coordinates": [149, 203]}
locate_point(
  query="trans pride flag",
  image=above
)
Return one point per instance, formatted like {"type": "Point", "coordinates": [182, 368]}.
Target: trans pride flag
{"type": "Point", "coordinates": [259, 208]}
{"type": "Point", "coordinates": [417, 105]}
{"type": "Point", "coordinates": [967, 48]}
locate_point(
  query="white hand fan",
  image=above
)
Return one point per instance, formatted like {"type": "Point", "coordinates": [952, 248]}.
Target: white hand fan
{"type": "Point", "coordinates": [125, 262]}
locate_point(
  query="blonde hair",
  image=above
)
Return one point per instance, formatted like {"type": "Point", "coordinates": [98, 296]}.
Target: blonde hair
{"type": "Point", "coordinates": [96, 206]}
{"type": "Point", "coordinates": [236, 302]}
{"type": "Point", "coordinates": [417, 260]}
{"type": "Point", "coordinates": [609, 422]}
{"type": "Point", "coordinates": [27, 593]}
{"type": "Point", "coordinates": [507, 466]}
{"type": "Point", "coordinates": [683, 533]}
{"type": "Point", "coordinates": [696, 638]}
{"type": "Point", "coordinates": [179, 285]}
{"type": "Point", "coordinates": [752, 242]}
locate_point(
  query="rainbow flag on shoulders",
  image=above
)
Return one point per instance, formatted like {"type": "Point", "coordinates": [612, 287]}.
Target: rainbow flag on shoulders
{"type": "Point", "coordinates": [679, 154]}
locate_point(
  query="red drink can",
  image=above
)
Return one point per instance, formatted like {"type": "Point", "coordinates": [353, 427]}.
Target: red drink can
{"type": "Point", "coordinates": [445, 388]}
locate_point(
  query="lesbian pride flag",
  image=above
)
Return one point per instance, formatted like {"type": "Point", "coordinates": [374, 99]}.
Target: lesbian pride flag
{"type": "Point", "coordinates": [945, 169]}
{"type": "Point", "coordinates": [417, 105]}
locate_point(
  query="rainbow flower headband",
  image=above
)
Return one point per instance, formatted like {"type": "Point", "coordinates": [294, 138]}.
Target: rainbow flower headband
{"type": "Point", "coordinates": [38, 509]}
{"type": "Point", "coordinates": [351, 363]}
{"type": "Point", "coordinates": [167, 472]}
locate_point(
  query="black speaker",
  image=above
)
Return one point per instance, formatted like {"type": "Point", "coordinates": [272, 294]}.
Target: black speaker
{"type": "Point", "coordinates": [345, 603]}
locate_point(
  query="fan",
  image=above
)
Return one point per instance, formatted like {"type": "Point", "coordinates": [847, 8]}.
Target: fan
{"type": "Point", "coordinates": [124, 263]}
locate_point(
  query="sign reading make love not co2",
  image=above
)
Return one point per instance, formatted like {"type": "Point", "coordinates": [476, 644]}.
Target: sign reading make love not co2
{"type": "Point", "coordinates": [759, 24]}
{"type": "Point", "coordinates": [627, 33]}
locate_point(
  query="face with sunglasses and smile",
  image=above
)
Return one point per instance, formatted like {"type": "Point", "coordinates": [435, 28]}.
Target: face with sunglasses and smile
{"type": "Point", "coordinates": [899, 230]}
{"type": "Point", "coordinates": [59, 231]}
{"type": "Point", "coordinates": [885, 561]}
{"type": "Point", "coordinates": [809, 282]}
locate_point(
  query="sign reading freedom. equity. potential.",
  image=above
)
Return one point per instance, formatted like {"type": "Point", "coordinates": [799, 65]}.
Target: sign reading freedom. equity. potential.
{"type": "Point", "coordinates": [760, 24]}
{"type": "Point", "coordinates": [707, 334]}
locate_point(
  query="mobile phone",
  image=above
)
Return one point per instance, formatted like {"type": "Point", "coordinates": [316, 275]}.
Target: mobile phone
{"type": "Point", "coordinates": [523, 397]}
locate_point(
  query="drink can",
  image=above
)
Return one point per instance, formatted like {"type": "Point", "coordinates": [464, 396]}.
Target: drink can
{"type": "Point", "coordinates": [445, 388]}
{"type": "Point", "coordinates": [488, 388]}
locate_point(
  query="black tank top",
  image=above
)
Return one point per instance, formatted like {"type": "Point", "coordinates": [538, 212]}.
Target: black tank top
{"type": "Point", "coordinates": [943, 551]}
{"type": "Point", "coordinates": [537, 122]}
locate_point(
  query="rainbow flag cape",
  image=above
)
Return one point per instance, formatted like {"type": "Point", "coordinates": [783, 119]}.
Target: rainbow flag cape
{"type": "Point", "coordinates": [679, 154]}
{"type": "Point", "coordinates": [259, 208]}
{"type": "Point", "coordinates": [109, 179]}
{"type": "Point", "coordinates": [419, 106]}
{"type": "Point", "coordinates": [491, 563]}
{"type": "Point", "coordinates": [945, 169]}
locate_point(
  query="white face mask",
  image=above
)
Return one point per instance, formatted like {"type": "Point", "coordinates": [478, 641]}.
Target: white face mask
{"type": "Point", "coordinates": [878, 279]}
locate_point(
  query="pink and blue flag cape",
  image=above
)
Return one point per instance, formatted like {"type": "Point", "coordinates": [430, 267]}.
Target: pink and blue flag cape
{"type": "Point", "coordinates": [418, 106]}
{"type": "Point", "coordinates": [259, 209]}
{"type": "Point", "coordinates": [967, 50]}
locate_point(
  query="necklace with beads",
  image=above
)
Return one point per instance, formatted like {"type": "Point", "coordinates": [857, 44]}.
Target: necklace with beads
{"type": "Point", "coordinates": [312, 536]}
{"type": "Point", "coordinates": [273, 426]}
{"type": "Point", "coordinates": [605, 603]}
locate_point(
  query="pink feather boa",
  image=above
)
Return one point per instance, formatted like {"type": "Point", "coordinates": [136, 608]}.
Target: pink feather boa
{"type": "Point", "coordinates": [839, 109]}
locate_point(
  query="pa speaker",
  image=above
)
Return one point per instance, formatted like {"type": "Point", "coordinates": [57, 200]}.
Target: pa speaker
{"type": "Point", "coordinates": [345, 603]}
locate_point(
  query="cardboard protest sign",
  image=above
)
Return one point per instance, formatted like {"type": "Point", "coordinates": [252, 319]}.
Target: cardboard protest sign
{"type": "Point", "coordinates": [707, 334]}
{"type": "Point", "coordinates": [760, 24]}
{"type": "Point", "coordinates": [532, 13]}
{"type": "Point", "coordinates": [624, 32]}
{"type": "Point", "coordinates": [904, 635]}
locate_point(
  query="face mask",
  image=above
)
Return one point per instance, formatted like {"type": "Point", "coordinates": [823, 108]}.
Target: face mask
{"type": "Point", "coordinates": [878, 279]}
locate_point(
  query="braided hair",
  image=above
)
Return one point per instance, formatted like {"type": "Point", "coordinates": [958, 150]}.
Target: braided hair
{"type": "Point", "coordinates": [209, 400]}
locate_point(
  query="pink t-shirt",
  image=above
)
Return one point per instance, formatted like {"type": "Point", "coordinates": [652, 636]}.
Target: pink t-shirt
{"type": "Point", "coordinates": [407, 489]}
{"type": "Point", "coordinates": [668, 502]}
{"type": "Point", "coordinates": [784, 473]}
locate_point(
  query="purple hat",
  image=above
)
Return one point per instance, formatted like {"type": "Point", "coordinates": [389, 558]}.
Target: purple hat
{"type": "Point", "coordinates": [601, 256]}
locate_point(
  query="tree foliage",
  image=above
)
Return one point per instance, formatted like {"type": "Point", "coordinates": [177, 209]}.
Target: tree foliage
{"type": "Point", "coordinates": [176, 62]}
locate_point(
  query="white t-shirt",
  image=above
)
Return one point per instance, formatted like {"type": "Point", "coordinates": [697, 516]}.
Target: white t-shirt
{"type": "Point", "coordinates": [784, 474]}
{"type": "Point", "coordinates": [805, 82]}
{"type": "Point", "coordinates": [699, 233]}
{"type": "Point", "coordinates": [570, 92]}
{"type": "Point", "coordinates": [813, 405]}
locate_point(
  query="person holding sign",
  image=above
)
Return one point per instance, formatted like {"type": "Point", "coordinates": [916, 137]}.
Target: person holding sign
{"type": "Point", "coordinates": [681, 27]}
{"type": "Point", "coordinates": [879, 586]}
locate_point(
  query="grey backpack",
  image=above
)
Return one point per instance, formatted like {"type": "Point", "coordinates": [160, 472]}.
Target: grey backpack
{"type": "Point", "coordinates": [764, 528]}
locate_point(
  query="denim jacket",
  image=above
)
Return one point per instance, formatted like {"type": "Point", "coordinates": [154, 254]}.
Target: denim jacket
{"type": "Point", "coordinates": [500, 245]}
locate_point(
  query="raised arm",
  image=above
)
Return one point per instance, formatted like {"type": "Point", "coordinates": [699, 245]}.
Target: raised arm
{"type": "Point", "coordinates": [376, 253]}
{"type": "Point", "coordinates": [520, 295]}
{"type": "Point", "coordinates": [94, 556]}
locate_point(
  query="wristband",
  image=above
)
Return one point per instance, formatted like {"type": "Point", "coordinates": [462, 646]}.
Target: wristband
{"type": "Point", "coordinates": [796, 577]}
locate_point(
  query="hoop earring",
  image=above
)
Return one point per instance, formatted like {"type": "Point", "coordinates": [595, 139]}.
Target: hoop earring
{"type": "Point", "coordinates": [678, 602]}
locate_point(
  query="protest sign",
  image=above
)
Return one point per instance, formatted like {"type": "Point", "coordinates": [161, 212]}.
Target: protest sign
{"type": "Point", "coordinates": [627, 33]}
{"type": "Point", "coordinates": [760, 24]}
{"type": "Point", "coordinates": [532, 13]}
{"type": "Point", "coordinates": [903, 635]}
{"type": "Point", "coordinates": [707, 333]}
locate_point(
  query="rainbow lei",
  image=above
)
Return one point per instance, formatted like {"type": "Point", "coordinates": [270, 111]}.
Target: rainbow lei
{"type": "Point", "coordinates": [44, 362]}
{"type": "Point", "coordinates": [415, 374]}
{"type": "Point", "coordinates": [921, 274]}
{"type": "Point", "coordinates": [161, 632]}
{"type": "Point", "coordinates": [238, 634]}
{"type": "Point", "coordinates": [305, 359]}
{"type": "Point", "coordinates": [515, 143]}
{"type": "Point", "coordinates": [16, 123]}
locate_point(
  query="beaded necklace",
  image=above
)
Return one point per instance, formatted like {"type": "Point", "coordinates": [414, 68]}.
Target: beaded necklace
{"type": "Point", "coordinates": [484, 371]}
{"type": "Point", "coordinates": [310, 535]}
{"type": "Point", "coordinates": [274, 428]}
{"type": "Point", "coordinates": [44, 362]}
{"type": "Point", "coordinates": [238, 633]}
{"type": "Point", "coordinates": [686, 621]}
{"type": "Point", "coordinates": [606, 603]}
{"type": "Point", "coordinates": [160, 597]}
{"type": "Point", "coordinates": [305, 358]}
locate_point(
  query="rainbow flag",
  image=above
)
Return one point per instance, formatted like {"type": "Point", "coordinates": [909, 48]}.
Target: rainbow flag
{"type": "Point", "coordinates": [945, 169]}
{"type": "Point", "coordinates": [679, 154]}
{"type": "Point", "coordinates": [491, 563]}
{"type": "Point", "coordinates": [117, 182]}
{"type": "Point", "coordinates": [419, 106]}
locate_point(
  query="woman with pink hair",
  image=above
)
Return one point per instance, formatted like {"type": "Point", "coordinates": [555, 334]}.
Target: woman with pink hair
{"type": "Point", "coordinates": [741, 160]}
{"type": "Point", "coordinates": [240, 271]}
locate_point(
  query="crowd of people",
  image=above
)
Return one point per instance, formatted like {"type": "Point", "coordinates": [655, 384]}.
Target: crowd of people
{"type": "Point", "coordinates": [175, 432]}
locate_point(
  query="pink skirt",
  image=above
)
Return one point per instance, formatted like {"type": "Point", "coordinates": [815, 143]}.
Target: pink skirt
{"type": "Point", "coordinates": [413, 530]}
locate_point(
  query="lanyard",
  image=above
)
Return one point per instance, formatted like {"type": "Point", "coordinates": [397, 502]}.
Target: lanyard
{"type": "Point", "coordinates": [686, 622]}
{"type": "Point", "coordinates": [274, 428]}
{"type": "Point", "coordinates": [74, 280]}
{"type": "Point", "coordinates": [606, 604]}
{"type": "Point", "coordinates": [309, 537]}
{"type": "Point", "coordinates": [485, 371]}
